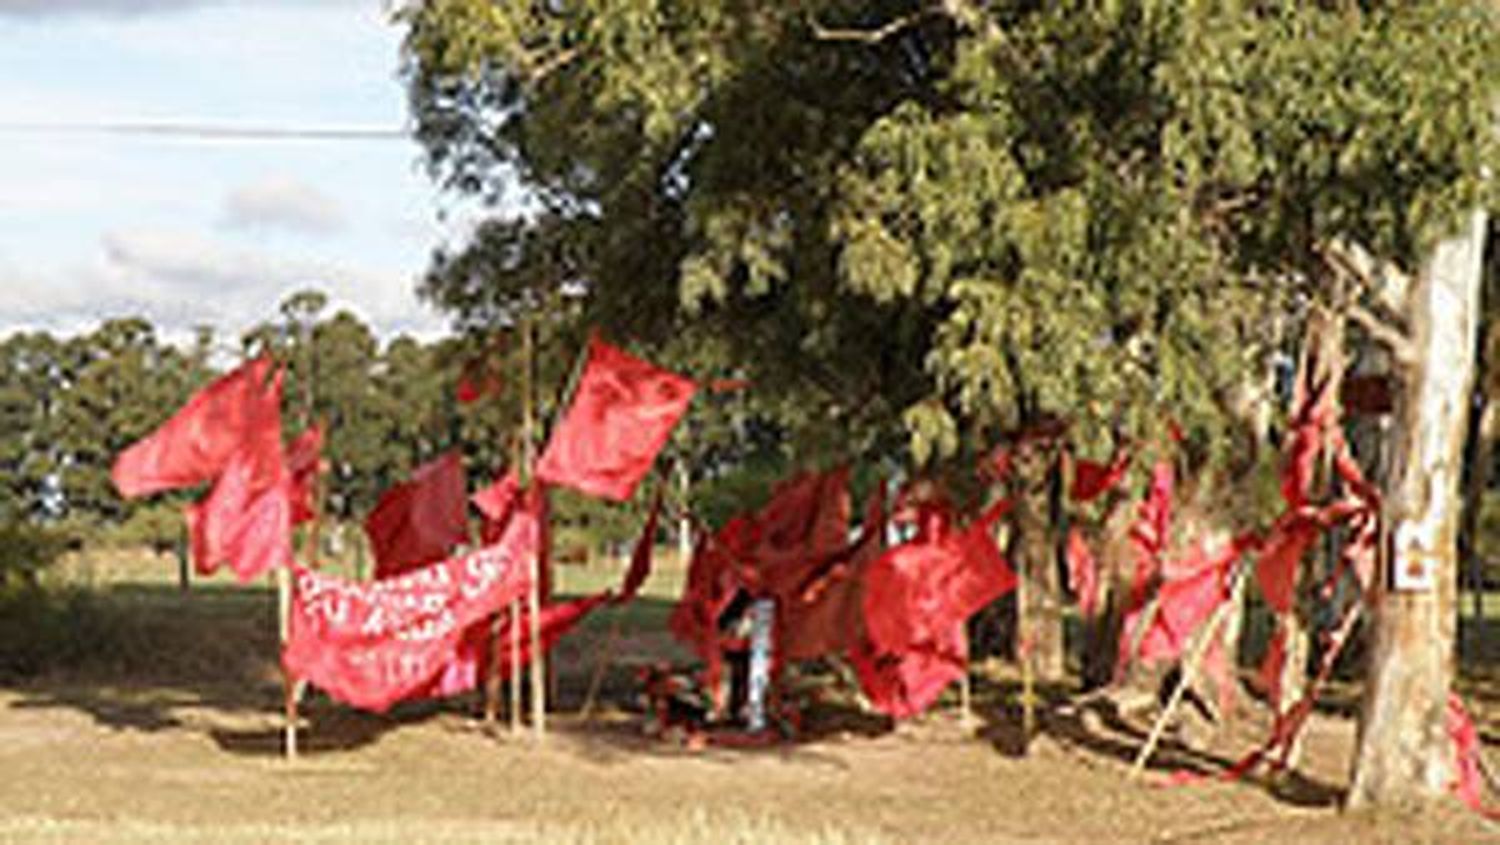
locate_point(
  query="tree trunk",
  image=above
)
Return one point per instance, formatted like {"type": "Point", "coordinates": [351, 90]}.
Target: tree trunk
{"type": "Point", "coordinates": [1040, 608]}
{"type": "Point", "coordinates": [1403, 752]}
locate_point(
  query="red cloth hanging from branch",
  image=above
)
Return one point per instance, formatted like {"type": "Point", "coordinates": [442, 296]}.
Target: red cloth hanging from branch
{"type": "Point", "coordinates": [1092, 479]}
{"type": "Point", "coordinates": [373, 644]}
{"type": "Point", "coordinates": [621, 415]}
{"type": "Point", "coordinates": [1149, 534]}
{"type": "Point", "coordinates": [237, 411]}
{"type": "Point", "coordinates": [419, 521]}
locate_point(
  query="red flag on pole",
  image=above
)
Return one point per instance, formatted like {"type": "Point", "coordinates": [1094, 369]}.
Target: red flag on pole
{"type": "Point", "coordinates": [196, 444]}
{"type": "Point", "coordinates": [497, 502]}
{"type": "Point", "coordinates": [245, 521]}
{"type": "Point", "coordinates": [421, 520]}
{"type": "Point", "coordinates": [621, 415]}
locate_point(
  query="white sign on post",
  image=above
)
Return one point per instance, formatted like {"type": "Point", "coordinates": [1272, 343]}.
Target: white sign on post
{"type": "Point", "coordinates": [1412, 567]}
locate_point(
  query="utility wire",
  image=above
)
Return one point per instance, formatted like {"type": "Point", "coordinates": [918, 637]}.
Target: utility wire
{"type": "Point", "coordinates": [196, 131]}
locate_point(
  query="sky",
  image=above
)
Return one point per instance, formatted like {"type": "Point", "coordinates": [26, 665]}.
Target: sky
{"type": "Point", "coordinates": [98, 223]}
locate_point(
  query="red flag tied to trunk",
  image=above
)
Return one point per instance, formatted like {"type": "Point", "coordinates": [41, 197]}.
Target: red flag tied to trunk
{"type": "Point", "coordinates": [421, 520]}
{"type": "Point", "coordinates": [237, 411]}
{"type": "Point", "coordinates": [621, 416]}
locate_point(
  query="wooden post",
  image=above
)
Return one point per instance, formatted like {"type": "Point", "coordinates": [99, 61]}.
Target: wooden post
{"type": "Point", "coordinates": [537, 669]}
{"type": "Point", "coordinates": [289, 685]}
{"type": "Point", "coordinates": [965, 688]}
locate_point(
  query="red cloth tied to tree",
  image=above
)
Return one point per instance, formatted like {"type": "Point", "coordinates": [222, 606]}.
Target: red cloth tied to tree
{"type": "Point", "coordinates": [1092, 479]}
{"type": "Point", "coordinates": [302, 462]}
{"type": "Point", "coordinates": [245, 520]}
{"type": "Point", "coordinates": [419, 521]}
{"type": "Point", "coordinates": [621, 415]}
{"type": "Point", "coordinates": [1149, 533]}
{"type": "Point", "coordinates": [1083, 572]}
{"type": "Point", "coordinates": [237, 411]}
{"type": "Point", "coordinates": [373, 644]}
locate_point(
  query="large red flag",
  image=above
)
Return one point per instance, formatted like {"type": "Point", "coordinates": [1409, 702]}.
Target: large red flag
{"type": "Point", "coordinates": [373, 644]}
{"type": "Point", "coordinates": [196, 444]}
{"type": "Point", "coordinates": [620, 418]}
{"type": "Point", "coordinates": [421, 520]}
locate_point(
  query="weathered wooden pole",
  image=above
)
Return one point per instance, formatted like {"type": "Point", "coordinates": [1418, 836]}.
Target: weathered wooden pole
{"type": "Point", "coordinates": [538, 661]}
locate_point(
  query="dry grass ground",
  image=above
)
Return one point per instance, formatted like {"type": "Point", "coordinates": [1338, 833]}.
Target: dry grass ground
{"type": "Point", "coordinates": [176, 740]}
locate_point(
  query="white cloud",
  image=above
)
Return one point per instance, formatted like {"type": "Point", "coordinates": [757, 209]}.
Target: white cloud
{"type": "Point", "coordinates": [284, 203]}
{"type": "Point", "coordinates": [179, 279]}
{"type": "Point", "coordinates": [124, 8]}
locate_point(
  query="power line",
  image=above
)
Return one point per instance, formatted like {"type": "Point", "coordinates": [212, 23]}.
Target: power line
{"type": "Point", "coordinates": [199, 131]}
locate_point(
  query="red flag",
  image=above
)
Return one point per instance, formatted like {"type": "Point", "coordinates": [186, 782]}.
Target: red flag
{"type": "Point", "coordinates": [620, 418]}
{"type": "Point", "coordinates": [371, 645]}
{"type": "Point", "coordinates": [825, 616]}
{"type": "Point", "coordinates": [497, 502]}
{"type": "Point", "coordinates": [196, 444]}
{"type": "Point", "coordinates": [917, 597]}
{"type": "Point", "coordinates": [1192, 590]}
{"type": "Point", "coordinates": [1092, 479]}
{"type": "Point", "coordinates": [1468, 782]}
{"type": "Point", "coordinates": [640, 557]}
{"type": "Point", "coordinates": [421, 520]}
{"type": "Point", "coordinates": [244, 522]}
{"type": "Point", "coordinates": [302, 460]}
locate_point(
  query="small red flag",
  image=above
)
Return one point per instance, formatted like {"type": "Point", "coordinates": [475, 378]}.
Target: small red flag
{"type": "Point", "coordinates": [196, 444]}
{"type": "Point", "coordinates": [621, 416]}
{"type": "Point", "coordinates": [497, 502]}
{"type": "Point", "coordinates": [302, 460]}
{"type": "Point", "coordinates": [640, 557]}
{"type": "Point", "coordinates": [421, 520]}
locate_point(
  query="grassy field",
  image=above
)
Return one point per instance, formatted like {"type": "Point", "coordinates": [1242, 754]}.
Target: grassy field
{"type": "Point", "coordinates": [172, 735]}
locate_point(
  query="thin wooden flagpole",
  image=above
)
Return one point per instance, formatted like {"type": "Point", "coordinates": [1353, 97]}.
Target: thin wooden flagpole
{"type": "Point", "coordinates": [1188, 670]}
{"type": "Point", "coordinates": [538, 660]}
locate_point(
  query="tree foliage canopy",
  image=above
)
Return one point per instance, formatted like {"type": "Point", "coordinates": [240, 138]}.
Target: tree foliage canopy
{"type": "Point", "coordinates": [948, 215]}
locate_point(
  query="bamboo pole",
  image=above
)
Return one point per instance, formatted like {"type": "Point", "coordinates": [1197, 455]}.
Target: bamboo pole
{"type": "Point", "coordinates": [965, 687]}
{"type": "Point", "coordinates": [289, 685]}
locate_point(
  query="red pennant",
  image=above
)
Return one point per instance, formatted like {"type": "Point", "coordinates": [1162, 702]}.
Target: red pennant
{"type": "Point", "coordinates": [620, 418]}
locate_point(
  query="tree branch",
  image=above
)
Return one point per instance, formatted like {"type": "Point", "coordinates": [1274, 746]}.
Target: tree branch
{"type": "Point", "coordinates": [865, 36]}
{"type": "Point", "coordinates": [1395, 339]}
{"type": "Point", "coordinates": [1386, 284]}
